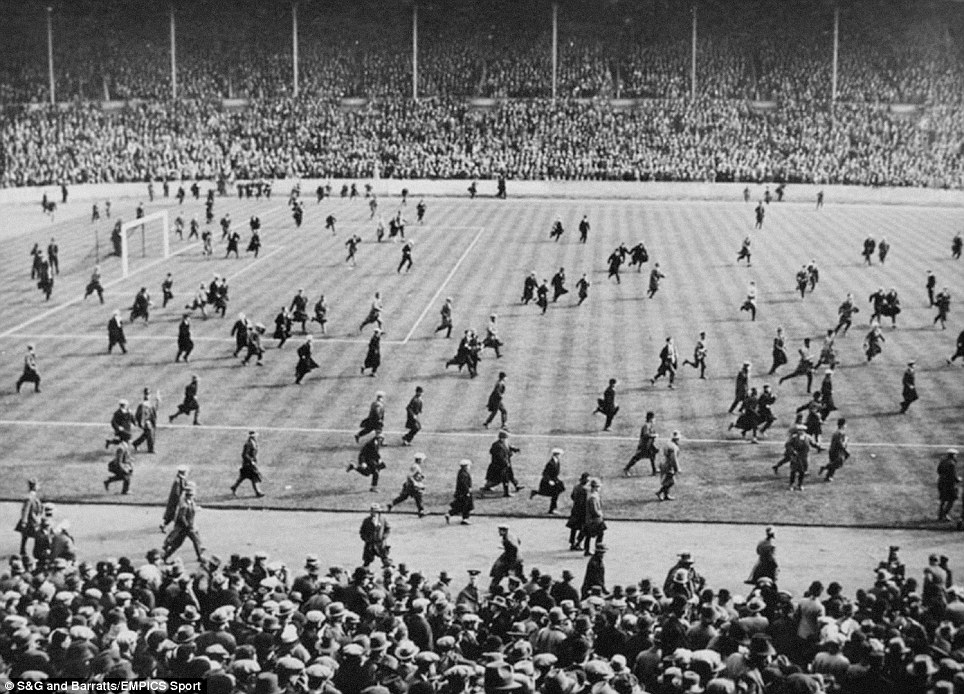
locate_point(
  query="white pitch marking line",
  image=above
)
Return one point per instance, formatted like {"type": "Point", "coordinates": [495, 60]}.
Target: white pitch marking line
{"type": "Point", "coordinates": [431, 302]}
{"type": "Point", "coordinates": [448, 434]}
{"type": "Point", "coordinates": [78, 299]}
{"type": "Point", "coordinates": [255, 262]}
{"type": "Point", "coordinates": [320, 339]}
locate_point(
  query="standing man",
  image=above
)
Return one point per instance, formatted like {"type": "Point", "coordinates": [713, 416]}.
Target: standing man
{"type": "Point", "coordinates": [146, 418]}
{"type": "Point", "coordinates": [508, 563]}
{"type": "Point", "coordinates": [190, 403]}
{"type": "Point", "coordinates": [413, 488]}
{"type": "Point", "coordinates": [373, 356]}
{"type": "Point", "coordinates": [496, 402]}
{"type": "Point", "coordinates": [779, 351]}
{"type": "Point", "coordinates": [184, 528]}
{"type": "Point", "coordinates": [647, 445]}
{"type": "Point", "coordinates": [584, 229]}
{"type": "Point", "coordinates": [670, 468]}
{"type": "Point", "coordinates": [742, 388]}
{"type": "Point", "coordinates": [766, 564]}
{"type": "Point", "coordinates": [577, 513]}
{"type": "Point", "coordinates": [550, 485]}
{"type": "Point", "coordinates": [595, 524]}
{"type": "Point", "coordinates": [798, 450]}
{"type": "Point", "coordinates": [185, 345]}
{"type": "Point", "coordinates": [375, 421]}
{"type": "Point", "coordinates": [462, 502]}
{"type": "Point", "coordinates": [115, 332]}
{"type": "Point", "coordinates": [374, 533]}
{"type": "Point", "coordinates": [174, 497]}
{"type": "Point", "coordinates": [413, 417]}
{"type": "Point", "coordinates": [31, 513]}
{"type": "Point", "coordinates": [699, 356]}
{"type": "Point", "coordinates": [947, 485]}
{"type": "Point", "coordinates": [606, 405]}
{"type": "Point", "coordinates": [654, 277]}
{"type": "Point", "coordinates": [446, 322]}
{"type": "Point", "coordinates": [249, 466]}
{"type": "Point", "coordinates": [930, 285]}
{"type": "Point", "coordinates": [53, 256]}
{"type": "Point", "coordinates": [31, 373]}
{"type": "Point", "coordinates": [909, 386]}
{"type": "Point", "coordinates": [667, 363]}
{"type": "Point", "coordinates": [839, 445]}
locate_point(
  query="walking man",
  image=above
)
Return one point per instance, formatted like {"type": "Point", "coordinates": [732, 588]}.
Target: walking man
{"type": "Point", "coordinates": [647, 445]}
{"type": "Point", "coordinates": [146, 418]}
{"type": "Point", "coordinates": [184, 528]}
{"type": "Point", "coordinates": [669, 468]}
{"type": "Point", "coordinates": [374, 533]}
{"type": "Point", "coordinates": [249, 466]}
{"type": "Point", "coordinates": [909, 382]}
{"type": "Point", "coordinates": [462, 501]}
{"type": "Point", "coordinates": [947, 484]}
{"type": "Point", "coordinates": [496, 402]}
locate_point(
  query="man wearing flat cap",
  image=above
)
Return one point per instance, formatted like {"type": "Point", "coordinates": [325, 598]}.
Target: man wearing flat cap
{"type": "Point", "coordinates": [249, 466]}
{"type": "Point", "coordinates": [595, 572]}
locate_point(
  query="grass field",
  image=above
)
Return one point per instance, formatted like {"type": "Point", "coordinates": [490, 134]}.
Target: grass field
{"type": "Point", "coordinates": [478, 252]}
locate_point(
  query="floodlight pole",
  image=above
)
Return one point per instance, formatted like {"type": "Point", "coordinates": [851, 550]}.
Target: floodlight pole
{"type": "Point", "coordinates": [693, 59]}
{"type": "Point", "coordinates": [555, 47]}
{"type": "Point", "coordinates": [294, 48]}
{"type": "Point", "coordinates": [50, 54]}
{"type": "Point", "coordinates": [173, 56]}
{"type": "Point", "coordinates": [836, 50]}
{"type": "Point", "coordinates": [415, 51]}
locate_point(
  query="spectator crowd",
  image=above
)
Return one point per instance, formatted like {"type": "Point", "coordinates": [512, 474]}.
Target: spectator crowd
{"type": "Point", "coordinates": [252, 624]}
{"type": "Point", "coordinates": [668, 140]}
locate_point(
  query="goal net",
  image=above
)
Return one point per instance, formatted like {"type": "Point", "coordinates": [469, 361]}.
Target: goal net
{"type": "Point", "coordinates": [144, 239]}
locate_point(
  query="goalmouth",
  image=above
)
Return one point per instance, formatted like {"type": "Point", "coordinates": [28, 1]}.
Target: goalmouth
{"type": "Point", "coordinates": [142, 224]}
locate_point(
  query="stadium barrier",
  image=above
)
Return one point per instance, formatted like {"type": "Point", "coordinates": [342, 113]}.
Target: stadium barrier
{"type": "Point", "coordinates": [616, 190]}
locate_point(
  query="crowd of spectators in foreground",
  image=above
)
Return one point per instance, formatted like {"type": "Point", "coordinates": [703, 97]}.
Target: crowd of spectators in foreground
{"type": "Point", "coordinates": [671, 140]}
{"type": "Point", "coordinates": [890, 50]}
{"type": "Point", "coordinates": [252, 624]}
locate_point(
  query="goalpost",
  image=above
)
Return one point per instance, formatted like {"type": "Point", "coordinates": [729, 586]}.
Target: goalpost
{"type": "Point", "coordinates": [142, 224]}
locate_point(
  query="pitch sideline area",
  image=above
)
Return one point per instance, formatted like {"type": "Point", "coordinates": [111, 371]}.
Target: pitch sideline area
{"type": "Point", "coordinates": [724, 553]}
{"type": "Point", "coordinates": [558, 363]}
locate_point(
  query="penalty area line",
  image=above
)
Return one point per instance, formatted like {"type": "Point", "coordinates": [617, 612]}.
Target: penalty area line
{"type": "Point", "coordinates": [442, 434]}
{"type": "Point", "coordinates": [438, 292]}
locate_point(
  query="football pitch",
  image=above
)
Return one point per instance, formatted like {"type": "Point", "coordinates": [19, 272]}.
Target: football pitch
{"type": "Point", "coordinates": [478, 253]}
